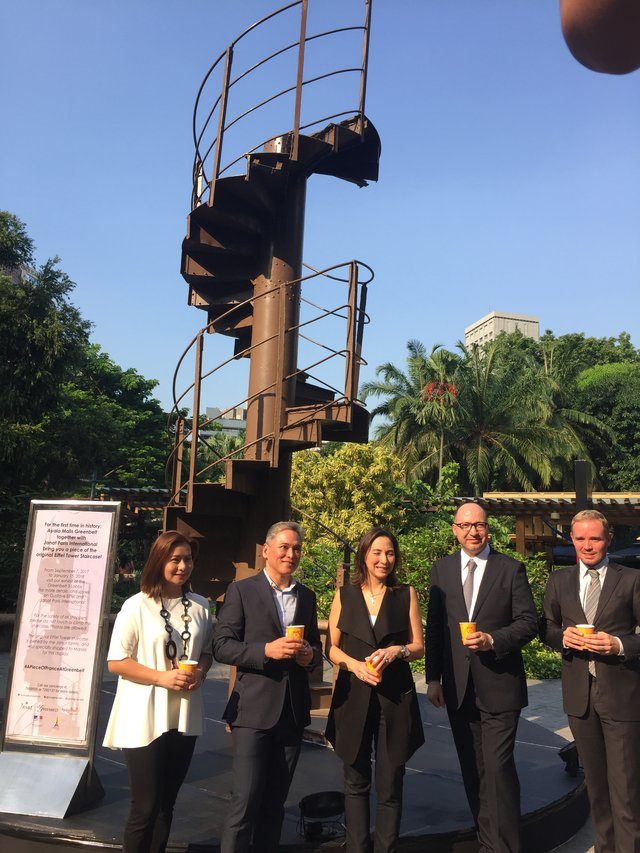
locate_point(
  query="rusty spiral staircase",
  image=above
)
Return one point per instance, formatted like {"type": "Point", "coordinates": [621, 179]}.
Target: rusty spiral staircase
{"type": "Point", "coordinates": [242, 260]}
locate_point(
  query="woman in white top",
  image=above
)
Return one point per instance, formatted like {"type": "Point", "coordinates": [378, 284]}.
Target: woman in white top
{"type": "Point", "coordinates": [158, 709]}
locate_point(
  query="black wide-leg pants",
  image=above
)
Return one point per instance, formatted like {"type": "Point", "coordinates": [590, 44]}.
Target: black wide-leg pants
{"type": "Point", "coordinates": [156, 772]}
{"type": "Point", "coordinates": [389, 779]}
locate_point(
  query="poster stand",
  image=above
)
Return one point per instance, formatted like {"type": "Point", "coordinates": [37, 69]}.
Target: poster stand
{"type": "Point", "coordinates": [48, 785]}
{"type": "Point", "coordinates": [58, 649]}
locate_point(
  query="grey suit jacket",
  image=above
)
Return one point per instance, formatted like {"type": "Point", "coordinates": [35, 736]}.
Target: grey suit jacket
{"type": "Point", "coordinates": [505, 609]}
{"type": "Point", "coordinates": [618, 613]}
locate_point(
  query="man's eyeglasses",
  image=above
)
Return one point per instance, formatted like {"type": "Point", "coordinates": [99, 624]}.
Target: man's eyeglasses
{"type": "Point", "coordinates": [480, 526]}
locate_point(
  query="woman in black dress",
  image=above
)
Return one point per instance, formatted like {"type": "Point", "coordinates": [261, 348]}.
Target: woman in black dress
{"type": "Point", "coordinates": [375, 629]}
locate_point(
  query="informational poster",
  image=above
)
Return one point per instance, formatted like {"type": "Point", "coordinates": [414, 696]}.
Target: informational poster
{"type": "Point", "coordinates": [63, 600]}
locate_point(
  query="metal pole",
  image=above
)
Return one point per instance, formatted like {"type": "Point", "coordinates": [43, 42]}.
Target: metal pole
{"type": "Point", "coordinates": [279, 401]}
{"type": "Point", "coordinates": [360, 329]}
{"type": "Point", "coordinates": [222, 117]}
{"type": "Point", "coordinates": [365, 63]}
{"type": "Point", "coordinates": [299, 80]}
{"type": "Point", "coordinates": [349, 390]}
{"type": "Point", "coordinates": [177, 471]}
{"type": "Point", "coordinates": [195, 421]}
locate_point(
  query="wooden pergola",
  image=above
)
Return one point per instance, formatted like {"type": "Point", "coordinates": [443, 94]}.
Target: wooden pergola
{"type": "Point", "coordinates": [538, 513]}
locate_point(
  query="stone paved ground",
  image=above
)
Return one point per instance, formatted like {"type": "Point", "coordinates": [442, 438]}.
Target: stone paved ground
{"type": "Point", "coordinates": [545, 709]}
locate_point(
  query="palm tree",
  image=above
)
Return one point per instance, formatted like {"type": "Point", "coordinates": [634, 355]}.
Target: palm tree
{"type": "Point", "coordinates": [505, 424]}
{"type": "Point", "coordinates": [419, 406]}
{"type": "Point", "coordinates": [512, 428]}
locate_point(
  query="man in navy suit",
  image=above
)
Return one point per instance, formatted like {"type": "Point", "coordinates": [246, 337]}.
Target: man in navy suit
{"type": "Point", "coordinates": [481, 679]}
{"type": "Point", "coordinates": [601, 677]}
{"type": "Point", "coordinates": [270, 702]}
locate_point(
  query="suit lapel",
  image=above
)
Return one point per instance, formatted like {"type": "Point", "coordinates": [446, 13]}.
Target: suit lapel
{"type": "Point", "coordinates": [354, 610]}
{"type": "Point", "coordinates": [488, 580]}
{"type": "Point", "coordinates": [364, 615]}
{"type": "Point", "coordinates": [266, 594]}
{"type": "Point", "coordinates": [453, 583]}
{"type": "Point", "coordinates": [611, 581]}
{"type": "Point", "coordinates": [300, 616]}
{"type": "Point", "coordinates": [575, 591]}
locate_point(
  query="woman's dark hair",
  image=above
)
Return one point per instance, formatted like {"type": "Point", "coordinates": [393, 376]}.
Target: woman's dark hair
{"type": "Point", "coordinates": [161, 550]}
{"type": "Point", "coordinates": [359, 566]}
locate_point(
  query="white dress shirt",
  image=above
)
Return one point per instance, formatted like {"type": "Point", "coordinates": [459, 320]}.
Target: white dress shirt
{"type": "Point", "coordinates": [585, 580]}
{"type": "Point", "coordinates": [481, 564]}
{"type": "Point", "coordinates": [286, 601]}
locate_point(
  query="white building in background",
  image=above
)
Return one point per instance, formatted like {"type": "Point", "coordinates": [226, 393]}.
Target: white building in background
{"type": "Point", "coordinates": [489, 327]}
{"type": "Point", "coordinates": [234, 421]}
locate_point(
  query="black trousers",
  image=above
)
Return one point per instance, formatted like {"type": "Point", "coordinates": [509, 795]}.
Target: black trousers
{"type": "Point", "coordinates": [389, 779]}
{"type": "Point", "coordinates": [609, 752]}
{"type": "Point", "coordinates": [264, 762]}
{"type": "Point", "coordinates": [156, 772]}
{"type": "Point", "coordinates": [484, 743]}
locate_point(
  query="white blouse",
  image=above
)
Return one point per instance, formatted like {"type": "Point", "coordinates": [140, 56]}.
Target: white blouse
{"type": "Point", "coordinates": [143, 712]}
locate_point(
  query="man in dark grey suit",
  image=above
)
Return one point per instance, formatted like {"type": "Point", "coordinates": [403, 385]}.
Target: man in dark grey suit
{"type": "Point", "coordinates": [270, 702]}
{"type": "Point", "coordinates": [481, 678]}
{"type": "Point", "coordinates": [601, 677]}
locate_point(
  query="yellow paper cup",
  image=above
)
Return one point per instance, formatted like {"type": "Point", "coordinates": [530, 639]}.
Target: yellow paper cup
{"type": "Point", "coordinates": [586, 630]}
{"type": "Point", "coordinates": [295, 632]}
{"type": "Point", "coordinates": [189, 666]}
{"type": "Point", "coordinates": [467, 628]}
{"type": "Point", "coordinates": [370, 664]}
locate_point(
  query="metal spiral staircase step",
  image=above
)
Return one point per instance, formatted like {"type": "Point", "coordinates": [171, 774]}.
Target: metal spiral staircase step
{"type": "Point", "coordinates": [225, 240]}
{"type": "Point", "coordinates": [308, 394]}
{"type": "Point", "coordinates": [242, 194]}
{"type": "Point", "coordinates": [337, 421]}
{"type": "Point", "coordinates": [212, 217]}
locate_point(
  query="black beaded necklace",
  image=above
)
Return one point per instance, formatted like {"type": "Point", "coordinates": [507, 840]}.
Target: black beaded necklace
{"type": "Point", "coordinates": [170, 648]}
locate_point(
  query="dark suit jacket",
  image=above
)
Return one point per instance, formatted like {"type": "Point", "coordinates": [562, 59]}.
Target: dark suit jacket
{"type": "Point", "coordinates": [248, 620]}
{"type": "Point", "coordinates": [618, 614]}
{"type": "Point", "coordinates": [504, 609]}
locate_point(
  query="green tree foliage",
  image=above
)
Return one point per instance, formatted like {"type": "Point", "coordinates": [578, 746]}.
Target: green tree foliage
{"type": "Point", "coordinates": [16, 247]}
{"type": "Point", "coordinates": [570, 354]}
{"type": "Point", "coordinates": [498, 412]}
{"type": "Point", "coordinates": [42, 342]}
{"type": "Point", "coordinates": [420, 406]}
{"type": "Point", "coordinates": [66, 409]}
{"type": "Point", "coordinates": [347, 489]}
{"type": "Point", "coordinates": [612, 390]}
{"type": "Point", "coordinates": [217, 445]}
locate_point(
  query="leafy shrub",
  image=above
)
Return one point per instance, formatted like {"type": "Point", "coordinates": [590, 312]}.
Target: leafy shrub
{"type": "Point", "coordinates": [541, 661]}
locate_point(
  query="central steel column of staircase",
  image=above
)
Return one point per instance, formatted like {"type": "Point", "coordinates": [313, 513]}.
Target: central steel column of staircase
{"type": "Point", "coordinates": [242, 260]}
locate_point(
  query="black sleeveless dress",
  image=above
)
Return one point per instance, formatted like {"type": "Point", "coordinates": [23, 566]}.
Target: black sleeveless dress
{"type": "Point", "coordinates": [396, 692]}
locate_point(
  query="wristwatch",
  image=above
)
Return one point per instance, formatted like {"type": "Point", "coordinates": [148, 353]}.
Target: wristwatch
{"type": "Point", "coordinates": [404, 653]}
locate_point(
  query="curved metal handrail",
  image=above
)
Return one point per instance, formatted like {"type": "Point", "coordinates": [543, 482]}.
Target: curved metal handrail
{"type": "Point", "coordinates": [286, 92]}
{"type": "Point", "coordinates": [259, 64]}
{"type": "Point", "coordinates": [220, 103]}
{"type": "Point", "coordinates": [251, 300]}
{"type": "Point", "coordinates": [190, 434]}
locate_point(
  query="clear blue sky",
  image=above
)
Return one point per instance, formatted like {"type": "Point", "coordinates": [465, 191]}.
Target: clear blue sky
{"type": "Point", "coordinates": [510, 174]}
